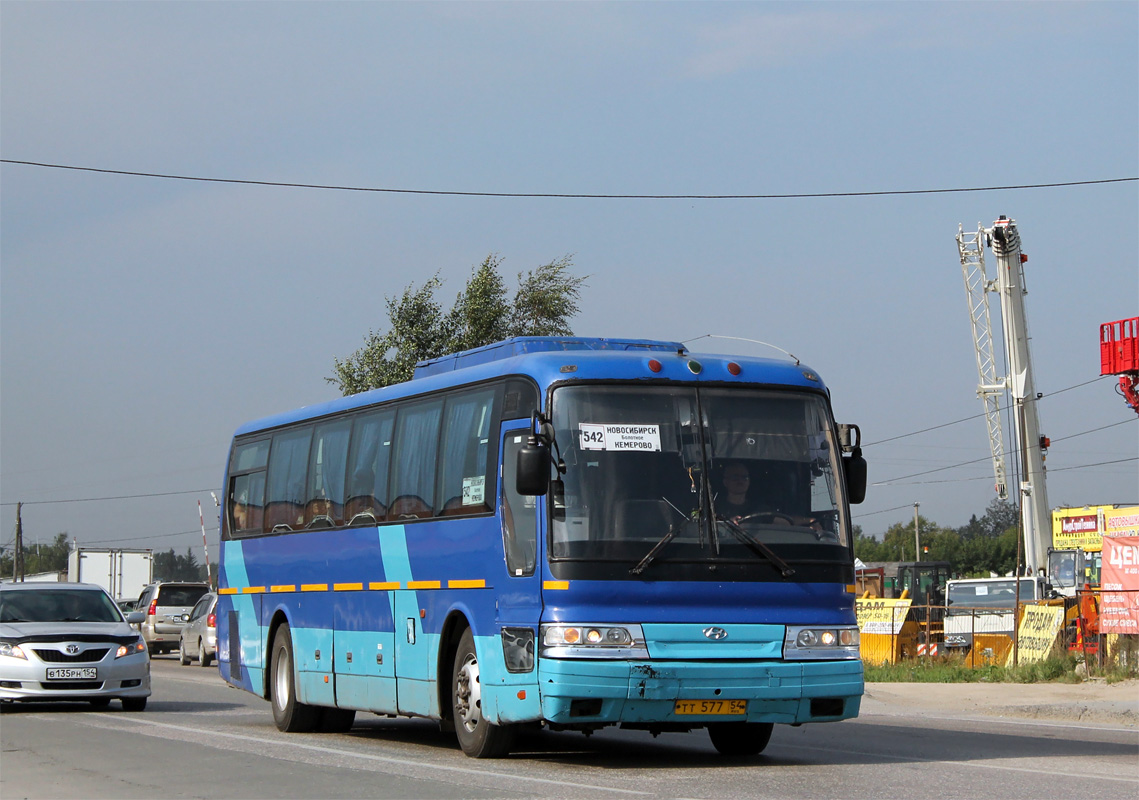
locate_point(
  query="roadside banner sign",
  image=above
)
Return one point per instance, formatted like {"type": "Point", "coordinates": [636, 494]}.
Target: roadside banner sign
{"type": "Point", "coordinates": [1119, 604]}
{"type": "Point", "coordinates": [1037, 635]}
{"type": "Point", "coordinates": [879, 615]}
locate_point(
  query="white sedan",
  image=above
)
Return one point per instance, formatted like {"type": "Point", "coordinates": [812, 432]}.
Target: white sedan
{"type": "Point", "coordinates": [69, 641]}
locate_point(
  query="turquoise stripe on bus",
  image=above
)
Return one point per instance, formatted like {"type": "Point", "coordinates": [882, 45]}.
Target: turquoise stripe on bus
{"type": "Point", "coordinates": [248, 625]}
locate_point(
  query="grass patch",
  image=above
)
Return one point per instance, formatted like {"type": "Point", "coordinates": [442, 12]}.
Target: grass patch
{"type": "Point", "coordinates": [1058, 669]}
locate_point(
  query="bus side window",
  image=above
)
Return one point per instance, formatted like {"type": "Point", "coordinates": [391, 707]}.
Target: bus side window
{"type": "Point", "coordinates": [466, 483]}
{"type": "Point", "coordinates": [413, 470]}
{"type": "Point", "coordinates": [288, 464]}
{"type": "Point", "coordinates": [246, 498]}
{"type": "Point", "coordinates": [519, 513]}
{"type": "Point", "coordinates": [324, 501]}
{"type": "Point", "coordinates": [369, 461]}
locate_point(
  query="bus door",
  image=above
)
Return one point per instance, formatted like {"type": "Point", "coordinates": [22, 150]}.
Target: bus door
{"type": "Point", "coordinates": [414, 693]}
{"type": "Point", "coordinates": [519, 593]}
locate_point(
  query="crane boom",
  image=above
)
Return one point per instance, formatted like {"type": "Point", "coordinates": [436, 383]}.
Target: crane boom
{"type": "Point", "coordinates": [977, 287]}
{"type": "Point", "coordinates": [1004, 238]}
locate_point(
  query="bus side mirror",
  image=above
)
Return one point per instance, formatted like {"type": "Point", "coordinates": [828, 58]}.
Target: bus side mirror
{"type": "Point", "coordinates": [854, 465]}
{"type": "Point", "coordinates": [855, 468]}
{"type": "Point", "coordinates": [532, 475]}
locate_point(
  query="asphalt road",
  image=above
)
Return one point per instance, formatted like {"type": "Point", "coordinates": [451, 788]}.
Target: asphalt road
{"type": "Point", "coordinates": [199, 738]}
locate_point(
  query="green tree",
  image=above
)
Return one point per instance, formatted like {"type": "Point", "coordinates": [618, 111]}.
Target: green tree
{"type": "Point", "coordinates": [169, 566]}
{"type": "Point", "coordinates": [483, 313]}
{"type": "Point", "coordinates": [38, 557]}
{"type": "Point", "coordinates": [989, 543]}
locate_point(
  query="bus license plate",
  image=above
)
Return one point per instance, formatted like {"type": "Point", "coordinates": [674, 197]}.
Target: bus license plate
{"type": "Point", "coordinates": [725, 707]}
{"type": "Point", "coordinates": [72, 673]}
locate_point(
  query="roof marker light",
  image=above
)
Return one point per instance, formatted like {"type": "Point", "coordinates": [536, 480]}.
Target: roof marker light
{"type": "Point", "coordinates": [694, 367]}
{"type": "Point", "coordinates": [734, 368]}
{"type": "Point", "coordinates": [655, 365]}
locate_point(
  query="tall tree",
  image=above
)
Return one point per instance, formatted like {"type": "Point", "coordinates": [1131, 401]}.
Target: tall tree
{"type": "Point", "coordinates": [419, 328]}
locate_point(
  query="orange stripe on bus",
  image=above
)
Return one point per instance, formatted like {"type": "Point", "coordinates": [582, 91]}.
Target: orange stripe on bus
{"type": "Point", "coordinates": [384, 586]}
{"type": "Point", "coordinates": [253, 590]}
{"type": "Point", "coordinates": [555, 584]}
{"type": "Point", "coordinates": [424, 585]}
{"type": "Point", "coordinates": [473, 584]}
{"type": "Point", "coordinates": [227, 590]}
{"type": "Point", "coordinates": [282, 588]}
{"type": "Point", "coordinates": [314, 587]}
{"type": "Point", "coordinates": [348, 587]}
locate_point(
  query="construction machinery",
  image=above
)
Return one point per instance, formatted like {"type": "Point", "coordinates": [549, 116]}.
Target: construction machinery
{"type": "Point", "coordinates": [1004, 240]}
{"type": "Point", "coordinates": [1119, 355]}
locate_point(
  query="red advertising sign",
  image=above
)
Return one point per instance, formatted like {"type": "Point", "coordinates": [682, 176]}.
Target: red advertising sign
{"type": "Point", "coordinates": [1119, 609]}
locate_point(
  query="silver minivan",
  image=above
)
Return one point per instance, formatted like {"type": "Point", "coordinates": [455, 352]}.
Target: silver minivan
{"type": "Point", "coordinates": [167, 606]}
{"type": "Point", "coordinates": [200, 635]}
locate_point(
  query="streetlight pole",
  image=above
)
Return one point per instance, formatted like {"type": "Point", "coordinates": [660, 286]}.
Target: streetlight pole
{"type": "Point", "coordinates": [917, 536]}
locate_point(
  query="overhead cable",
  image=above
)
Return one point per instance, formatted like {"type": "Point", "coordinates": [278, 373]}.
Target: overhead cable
{"type": "Point", "coordinates": [564, 195]}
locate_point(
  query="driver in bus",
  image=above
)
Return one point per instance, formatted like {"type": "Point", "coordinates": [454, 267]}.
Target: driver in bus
{"type": "Point", "coordinates": [737, 503]}
{"type": "Point", "coordinates": [734, 503]}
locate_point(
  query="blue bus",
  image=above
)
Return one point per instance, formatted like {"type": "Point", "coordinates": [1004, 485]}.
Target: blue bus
{"type": "Point", "coordinates": [567, 533]}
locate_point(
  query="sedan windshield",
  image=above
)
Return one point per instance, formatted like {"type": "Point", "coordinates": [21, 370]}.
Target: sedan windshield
{"type": "Point", "coordinates": [57, 605]}
{"type": "Point", "coordinates": [678, 474]}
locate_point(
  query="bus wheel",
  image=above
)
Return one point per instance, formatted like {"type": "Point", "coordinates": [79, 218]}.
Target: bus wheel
{"type": "Point", "coordinates": [289, 714]}
{"type": "Point", "coordinates": [740, 738]}
{"type": "Point", "coordinates": [478, 737]}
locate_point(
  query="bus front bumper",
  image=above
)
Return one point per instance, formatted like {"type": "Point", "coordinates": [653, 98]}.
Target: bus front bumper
{"type": "Point", "coordinates": [601, 692]}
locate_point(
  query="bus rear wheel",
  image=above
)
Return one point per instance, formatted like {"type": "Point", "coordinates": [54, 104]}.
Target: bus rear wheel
{"type": "Point", "coordinates": [478, 737]}
{"type": "Point", "coordinates": [740, 738]}
{"type": "Point", "coordinates": [289, 714]}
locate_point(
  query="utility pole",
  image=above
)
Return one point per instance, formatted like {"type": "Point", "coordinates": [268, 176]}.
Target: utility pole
{"type": "Point", "coordinates": [917, 536]}
{"type": "Point", "coordinates": [18, 560]}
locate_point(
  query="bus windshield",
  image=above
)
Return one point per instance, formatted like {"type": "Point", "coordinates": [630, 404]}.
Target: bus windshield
{"type": "Point", "coordinates": [666, 476]}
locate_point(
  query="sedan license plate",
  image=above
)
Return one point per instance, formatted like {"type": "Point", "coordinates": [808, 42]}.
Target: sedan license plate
{"type": "Point", "coordinates": [708, 707]}
{"type": "Point", "coordinates": [72, 673]}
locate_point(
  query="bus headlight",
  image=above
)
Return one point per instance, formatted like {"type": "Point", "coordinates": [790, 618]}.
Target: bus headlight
{"type": "Point", "coordinates": [813, 642]}
{"type": "Point", "coordinates": [593, 641]}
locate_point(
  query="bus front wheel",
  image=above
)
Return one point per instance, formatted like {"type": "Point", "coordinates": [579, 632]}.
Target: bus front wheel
{"type": "Point", "coordinates": [740, 738]}
{"type": "Point", "coordinates": [290, 715]}
{"type": "Point", "coordinates": [478, 737]}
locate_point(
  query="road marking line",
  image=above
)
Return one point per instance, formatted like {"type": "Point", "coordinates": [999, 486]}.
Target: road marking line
{"type": "Point", "coordinates": [966, 764]}
{"type": "Point", "coordinates": [403, 762]}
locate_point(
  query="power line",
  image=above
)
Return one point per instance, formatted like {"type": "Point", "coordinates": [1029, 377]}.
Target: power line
{"type": "Point", "coordinates": [977, 416]}
{"type": "Point", "coordinates": [883, 511]}
{"type": "Point", "coordinates": [148, 538]}
{"type": "Point", "coordinates": [99, 499]}
{"type": "Point", "coordinates": [566, 195]}
{"type": "Point", "coordinates": [1012, 452]}
{"type": "Point", "coordinates": [1097, 464]}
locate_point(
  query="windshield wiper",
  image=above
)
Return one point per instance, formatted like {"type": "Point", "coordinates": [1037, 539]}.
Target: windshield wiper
{"type": "Point", "coordinates": [758, 547]}
{"type": "Point", "coordinates": [673, 529]}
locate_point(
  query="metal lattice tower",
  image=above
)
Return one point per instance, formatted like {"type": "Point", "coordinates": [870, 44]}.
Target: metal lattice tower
{"type": "Point", "coordinates": [990, 388]}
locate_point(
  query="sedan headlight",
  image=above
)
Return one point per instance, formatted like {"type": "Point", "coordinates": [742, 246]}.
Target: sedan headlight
{"type": "Point", "coordinates": [130, 649]}
{"type": "Point", "coordinates": [803, 642]}
{"type": "Point", "coordinates": [12, 651]}
{"type": "Point", "coordinates": [593, 641]}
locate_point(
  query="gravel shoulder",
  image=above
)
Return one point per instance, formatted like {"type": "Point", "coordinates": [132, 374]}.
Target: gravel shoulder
{"type": "Point", "coordinates": [1093, 701]}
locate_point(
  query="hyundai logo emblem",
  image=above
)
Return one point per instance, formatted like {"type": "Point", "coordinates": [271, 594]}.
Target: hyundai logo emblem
{"type": "Point", "coordinates": [716, 633]}
{"type": "Point", "coordinates": [72, 649]}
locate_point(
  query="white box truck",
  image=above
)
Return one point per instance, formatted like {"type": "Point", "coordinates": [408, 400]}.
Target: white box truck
{"type": "Point", "coordinates": [123, 573]}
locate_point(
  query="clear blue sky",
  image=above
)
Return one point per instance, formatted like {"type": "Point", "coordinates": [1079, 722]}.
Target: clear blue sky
{"type": "Point", "coordinates": [142, 320]}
